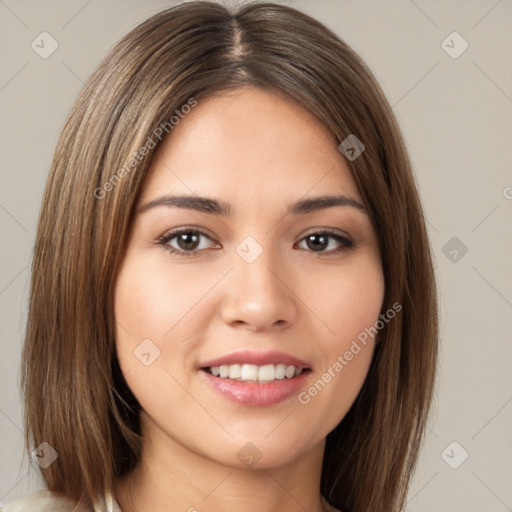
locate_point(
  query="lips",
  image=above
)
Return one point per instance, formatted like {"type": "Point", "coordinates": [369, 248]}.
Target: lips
{"type": "Point", "coordinates": [256, 379]}
{"type": "Point", "coordinates": [256, 358]}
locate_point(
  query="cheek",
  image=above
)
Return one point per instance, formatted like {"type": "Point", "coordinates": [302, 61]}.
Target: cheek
{"type": "Point", "coordinates": [141, 298]}
{"type": "Point", "coordinates": [140, 306]}
{"type": "Point", "coordinates": [148, 309]}
{"type": "Point", "coordinates": [351, 300]}
{"type": "Point", "coordinates": [157, 324]}
{"type": "Point", "coordinates": [150, 302]}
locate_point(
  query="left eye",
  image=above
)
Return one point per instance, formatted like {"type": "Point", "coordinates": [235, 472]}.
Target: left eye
{"type": "Point", "coordinates": [321, 241]}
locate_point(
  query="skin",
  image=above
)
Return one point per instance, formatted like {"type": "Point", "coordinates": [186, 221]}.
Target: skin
{"type": "Point", "coordinates": [260, 152]}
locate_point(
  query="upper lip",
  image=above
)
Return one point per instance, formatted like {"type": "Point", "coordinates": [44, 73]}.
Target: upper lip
{"type": "Point", "coordinates": [256, 358]}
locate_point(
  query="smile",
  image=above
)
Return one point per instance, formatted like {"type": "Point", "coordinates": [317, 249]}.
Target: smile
{"type": "Point", "coordinates": [254, 373]}
{"type": "Point", "coordinates": [254, 378]}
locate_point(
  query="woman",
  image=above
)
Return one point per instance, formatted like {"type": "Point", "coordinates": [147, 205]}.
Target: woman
{"type": "Point", "coordinates": [233, 304]}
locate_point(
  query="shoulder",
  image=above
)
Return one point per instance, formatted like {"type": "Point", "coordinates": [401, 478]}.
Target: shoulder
{"type": "Point", "coordinates": [39, 501]}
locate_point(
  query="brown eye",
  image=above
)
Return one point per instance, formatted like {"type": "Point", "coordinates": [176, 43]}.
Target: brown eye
{"type": "Point", "coordinates": [185, 242]}
{"type": "Point", "coordinates": [319, 242]}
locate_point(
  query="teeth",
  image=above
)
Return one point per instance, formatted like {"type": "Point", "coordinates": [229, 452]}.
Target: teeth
{"type": "Point", "coordinates": [280, 371]}
{"type": "Point", "coordinates": [235, 371]}
{"type": "Point", "coordinates": [266, 373]}
{"type": "Point", "coordinates": [251, 372]}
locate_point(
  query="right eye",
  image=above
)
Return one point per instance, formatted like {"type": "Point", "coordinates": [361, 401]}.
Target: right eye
{"type": "Point", "coordinates": [187, 240]}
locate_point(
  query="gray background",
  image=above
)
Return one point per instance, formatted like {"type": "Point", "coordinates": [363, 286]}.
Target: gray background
{"type": "Point", "coordinates": [456, 114]}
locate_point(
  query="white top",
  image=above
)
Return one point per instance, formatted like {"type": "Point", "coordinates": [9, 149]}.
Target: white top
{"type": "Point", "coordinates": [47, 501]}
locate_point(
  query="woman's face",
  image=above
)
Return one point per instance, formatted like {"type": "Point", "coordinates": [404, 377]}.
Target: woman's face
{"type": "Point", "coordinates": [241, 337]}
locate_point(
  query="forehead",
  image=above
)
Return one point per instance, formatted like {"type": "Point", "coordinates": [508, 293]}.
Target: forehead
{"type": "Point", "coordinates": [250, 145]}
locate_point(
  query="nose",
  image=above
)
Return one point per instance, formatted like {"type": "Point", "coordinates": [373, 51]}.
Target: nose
{"type": "Point", "coordinates": [259, 295]}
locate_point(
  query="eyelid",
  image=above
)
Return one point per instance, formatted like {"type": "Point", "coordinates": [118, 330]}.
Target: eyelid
{"type": "Point", "coordinates": [330, 231]}
{"type": "Point", "coordinates": [169, 235]}
{"type": "Point", "coordinates": [315, 230]}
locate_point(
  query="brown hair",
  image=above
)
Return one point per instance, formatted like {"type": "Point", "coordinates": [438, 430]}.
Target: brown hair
{"type": "Point", "coordinates": [76, 398]}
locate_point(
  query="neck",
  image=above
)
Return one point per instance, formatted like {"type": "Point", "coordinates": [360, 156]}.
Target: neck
{"type": "Point", "coordinates": [169, 477]}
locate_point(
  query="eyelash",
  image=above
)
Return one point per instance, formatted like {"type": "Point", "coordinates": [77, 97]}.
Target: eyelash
{"type": "Point", "coordinates": [346, 243]}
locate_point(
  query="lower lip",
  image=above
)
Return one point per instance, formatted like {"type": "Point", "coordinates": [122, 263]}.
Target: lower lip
{"type": "Point", "coordinates": [255, 393]}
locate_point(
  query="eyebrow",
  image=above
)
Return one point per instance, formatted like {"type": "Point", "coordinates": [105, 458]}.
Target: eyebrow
{"type": "Point", "coordinates": [217, 207]}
